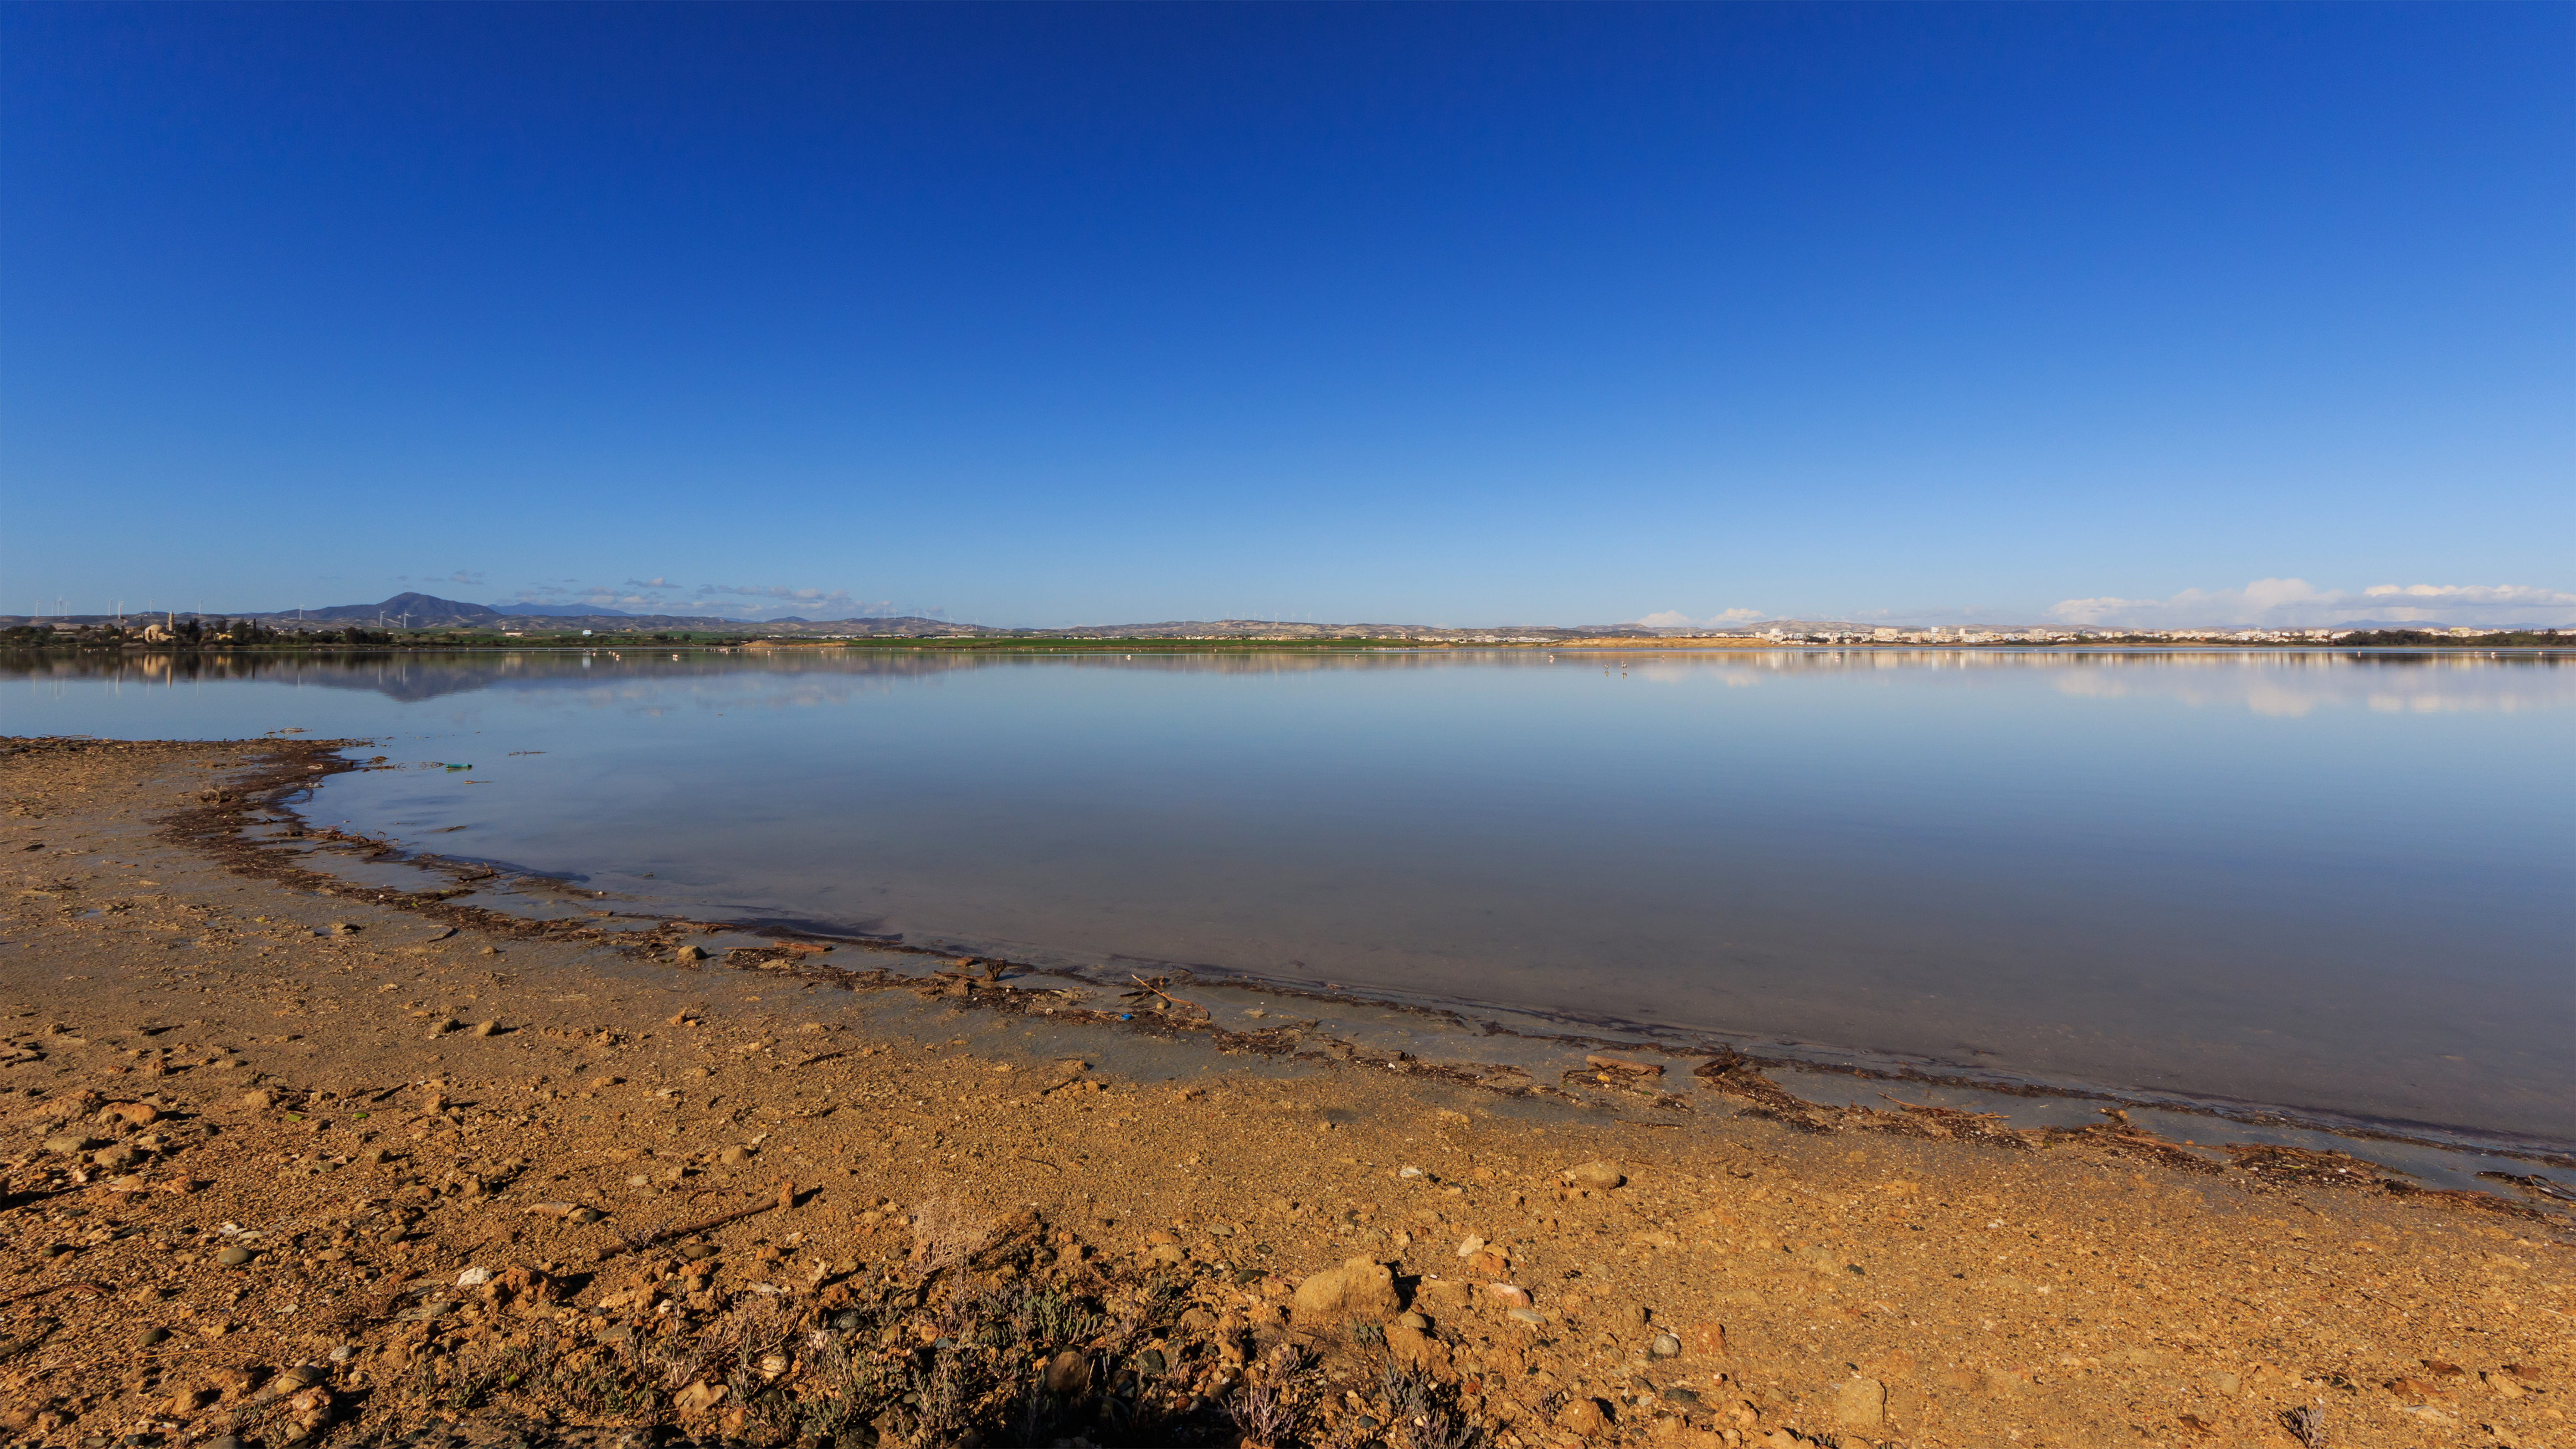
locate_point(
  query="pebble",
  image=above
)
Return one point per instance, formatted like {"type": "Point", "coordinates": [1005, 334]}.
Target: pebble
{"type": "Point", "coordinates": [734, 1156]}
{"type": "Point", "coordinates": [687, 954]}
{"type": "Point", "coordinates": [151, 1336]}
{"type": "Point", "coordinates": [486, 1028]}
{"type": "Point", "coordinates": [1665, 1346]}
{"type": "Point", "coordinates": [66, 1146]}
{"type": "Point", "coordinates": [1597, 1175]}
{"type": "Point", "coordinates": [1530, 1316]}
{"type": "Point", "coordinates": [119, 1156]}
{"type": "Point", "coordinates": [233, 1257]}
{"type": "Point", "coordinates": [473, 1277]}
{"type": "Point", "coordinates": [343, 928]}
{"type": "Point", "coordinates": [443, 1026]}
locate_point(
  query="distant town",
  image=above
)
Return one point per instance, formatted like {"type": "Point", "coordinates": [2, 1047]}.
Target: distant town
{"type": "Point", "coordinates": [426, 621]}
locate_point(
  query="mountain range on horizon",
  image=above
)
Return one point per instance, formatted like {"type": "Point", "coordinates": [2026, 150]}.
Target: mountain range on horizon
{"type": "Point", "coordinates": [414, 610]}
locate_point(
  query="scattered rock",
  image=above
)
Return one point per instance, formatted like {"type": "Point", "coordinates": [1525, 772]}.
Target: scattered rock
{"type": "Point", "coordinates": [342, 928]}
{"type": "Point", "coordinates": [1623, 1066]}
{"type": "Point", "coordinates": [473, 1277]}
{"type": "Point", "coordinates": [1597, 1175]}
{"type": "Point", "coordinates": [1664, 1346]}
{"type": "Point", "coordinates": [1860, 1403]}
{"type": "Point", "coordinates": [233, 1257]}
{"type": "Point", "coordinates": [1068, 1373]}
{"type": "Point", "coordinates": [443, 1026]}
{"type": "Point", "coordinates": [733, 1156]}
{"type": "Point", "coordinates": [150, 1336]}
{"type": "Point", "coordinates": [1587, 1417]}
{"type": "Point", "coordinates": [486, 1028]}
{"type": "Point", "coordinates": [685, 955]}
{"type": "Point", "coordinates": [132, 1114]}
{"type": "Point", "coordinates": [1705, 1339]}
{"type": "Point", "coordinates": [65, 1146]}
{"type": "Point", "coordinates": [1360, 1288]}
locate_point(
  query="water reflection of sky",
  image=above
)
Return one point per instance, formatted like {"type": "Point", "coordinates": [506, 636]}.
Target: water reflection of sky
{"type": "Point", "coordinates": [2328, 880]}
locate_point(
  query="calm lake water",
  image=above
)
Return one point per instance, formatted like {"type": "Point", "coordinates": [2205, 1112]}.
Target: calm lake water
{"type": "Point", "coordinates": [2340, 884]}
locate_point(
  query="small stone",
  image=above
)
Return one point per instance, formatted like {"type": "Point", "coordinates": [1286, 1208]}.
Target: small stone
{"type": "Point", "coordinates": [1706, 1339]}
{"type": "Point", "coordinates": [1414, 1321]}
{"type": "Point", "coordinates": [132, 1114]}
{"type": "Point", "coordinates": [1360, 1288]}
{"type": "Point", "coordinates": [473, 1277]}
{"type": "Point", "coordinates": [302, 1376]}
{"type": "Point", "coordinates": [343, 928]}
{"type": "Point", "coordinates": [1167, 1253]}
{"type": "Point", "coordinates": [1597, 1175]}
{"type": "Point", "coordinates": [1068, 1373]}
{"type": "Point", "coordinates": [698, 1397]}
{"type": "Point", "coordinates": [1860, 1403]}
{"type": "Point", "coordinates": [1530, 1316]}
{"type": "Point", "coordinates": [1665, 1346]}
{"type": "Point", "coordinates": [1584, 1417]}
{"type": "Point", "coordinates": [488, 951]}
{"type": "Point", "coordinates": [690, 953]}
{"type": "Point", "coordinates": [259, 1101]}
{"type": "Point", "coordinates": [67, 1145]}
{"type": "Point", "coordinates": [602, 1084]}
{"type": "Point", "coordinates": [115, 1158]}
{"type": "Point", "coordinates": [486, 1028]}
{"type": "Point", "coordinates": [233, 1257]}
{"type": "Point", "coordinates": [733, 1156]}
{"type": "Point", "coordinates": [1470, 1246]}
{"type": "Point", "coordinates": [151, 1336]}
{"type": "Point", "coordinates": [443, 1026]}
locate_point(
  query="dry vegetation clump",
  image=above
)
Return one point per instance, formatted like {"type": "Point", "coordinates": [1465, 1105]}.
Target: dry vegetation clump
{"type": "Point", "coordinates": [1009, 1336]}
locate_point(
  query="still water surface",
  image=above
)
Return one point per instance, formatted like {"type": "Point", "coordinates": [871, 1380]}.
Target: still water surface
{"type": "Point", "coordinates": [2340, 884]}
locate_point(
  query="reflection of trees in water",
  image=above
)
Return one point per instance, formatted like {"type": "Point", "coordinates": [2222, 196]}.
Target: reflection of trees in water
{"type": "Point", "coordinates": [645, 678]}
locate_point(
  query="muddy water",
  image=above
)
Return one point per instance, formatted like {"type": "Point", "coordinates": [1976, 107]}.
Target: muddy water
{"type": "Point", "coordinates": [2339, 884]}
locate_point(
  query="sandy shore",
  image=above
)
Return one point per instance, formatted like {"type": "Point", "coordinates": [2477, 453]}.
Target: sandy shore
{"type": "Point", "coordinates": [300, 1162]}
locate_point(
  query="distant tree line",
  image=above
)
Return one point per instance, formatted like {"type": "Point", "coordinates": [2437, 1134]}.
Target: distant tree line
{"type": "Point", "coordinates": [2427, 639]}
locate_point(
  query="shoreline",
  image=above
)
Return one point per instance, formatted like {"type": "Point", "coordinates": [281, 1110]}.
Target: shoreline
{"type": "Point", "coordinates": [1576, 1032]}
{"type": "Point", "coordinates": [1209, 1212]}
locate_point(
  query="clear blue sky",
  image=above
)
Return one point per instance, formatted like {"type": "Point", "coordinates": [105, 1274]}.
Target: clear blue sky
{"type": "Point", "coordinates": [1435, 313]}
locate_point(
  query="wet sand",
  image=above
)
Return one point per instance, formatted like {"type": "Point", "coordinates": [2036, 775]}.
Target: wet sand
{"type": "Point", "coordinates": [272, 1177]}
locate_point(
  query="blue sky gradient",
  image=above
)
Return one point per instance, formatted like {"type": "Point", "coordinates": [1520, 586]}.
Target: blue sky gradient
{"type": "Point", "coordinates": [1445, 314]}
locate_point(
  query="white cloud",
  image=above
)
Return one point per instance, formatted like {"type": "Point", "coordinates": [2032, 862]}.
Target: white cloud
{"type": "Point", "coordinates": [2291, 603]}
{"type": "Point", "coordinates": [1676, 619]}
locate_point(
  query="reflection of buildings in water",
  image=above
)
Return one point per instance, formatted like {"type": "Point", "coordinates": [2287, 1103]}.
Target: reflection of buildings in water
{"type": "Point", "coordinates": [2268, 682]}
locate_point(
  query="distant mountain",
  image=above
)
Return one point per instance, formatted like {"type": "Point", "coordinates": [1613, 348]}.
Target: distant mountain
{"type": "Point", "coordinates": [416, 611]}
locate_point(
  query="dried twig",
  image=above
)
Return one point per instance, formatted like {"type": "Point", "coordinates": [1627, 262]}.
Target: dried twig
{"type": "Point", "coordinates": [85, 1288]}
{"type": "Point", "coordinates": [786, 1198]}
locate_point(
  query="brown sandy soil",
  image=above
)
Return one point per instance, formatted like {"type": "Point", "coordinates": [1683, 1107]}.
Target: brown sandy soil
{"type": "Point", "coordinates": [271, 1180]}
